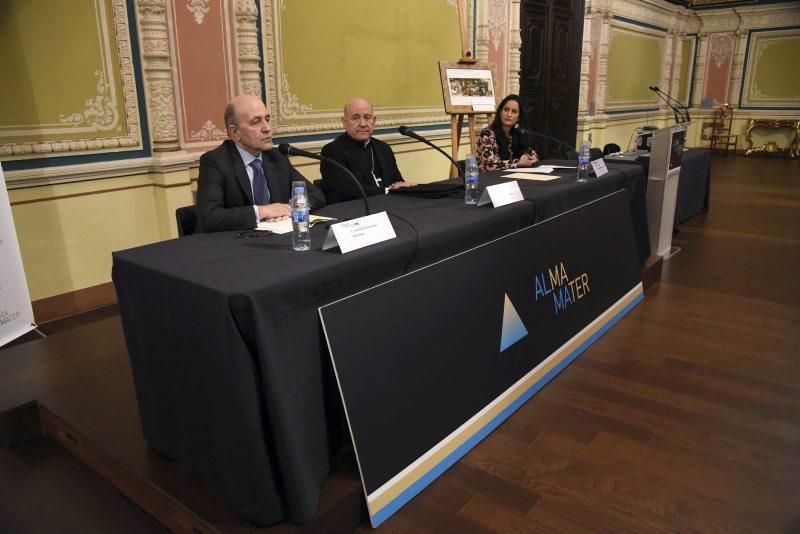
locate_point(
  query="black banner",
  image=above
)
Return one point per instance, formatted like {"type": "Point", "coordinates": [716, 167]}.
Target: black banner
{"type": "Point", "coordinates": [430, 362]}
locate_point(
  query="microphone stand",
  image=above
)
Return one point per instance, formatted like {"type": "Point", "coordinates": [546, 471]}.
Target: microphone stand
{"type": "Point", "coordinates": [685, 110]}
{"type": "Point", "coordinates": [679, 118]}
{"type": "Point", "coordinates": [288, 150]}
{"type": "Point", "coordinates": [414, 135]}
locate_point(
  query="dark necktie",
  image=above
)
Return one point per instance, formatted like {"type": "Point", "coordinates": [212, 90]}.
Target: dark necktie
{"type": "Point", "coordinates": [260, 191]}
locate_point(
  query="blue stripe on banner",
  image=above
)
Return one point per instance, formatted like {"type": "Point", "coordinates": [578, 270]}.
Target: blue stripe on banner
{"type": "Point", "coordinates": [387, 511]}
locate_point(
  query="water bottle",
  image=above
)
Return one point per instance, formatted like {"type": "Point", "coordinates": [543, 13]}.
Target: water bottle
{"type": "Point", "coordinates": [301, 238]}
{"type": "Point", "coordinates": [471, 181]}
{"type": "Point", "coordinates": [583, 163]}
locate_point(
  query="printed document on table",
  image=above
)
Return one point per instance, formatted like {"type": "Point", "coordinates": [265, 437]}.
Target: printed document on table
{"type": "Point", "coordinates": [285, 226]}
{"type": "Point", "coordinates": [543, 169]}
{"type": "Point", "coordinates": [538, 178]}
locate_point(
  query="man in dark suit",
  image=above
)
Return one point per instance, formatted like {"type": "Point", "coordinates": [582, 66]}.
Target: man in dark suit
{"type": "Point", "coordinates": [244, 180]}
{"type": "Point", "coordinates": [370, 160]}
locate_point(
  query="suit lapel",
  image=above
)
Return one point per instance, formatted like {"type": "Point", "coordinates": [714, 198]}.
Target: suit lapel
{"type": "Point", "coordinates": [240, 172]}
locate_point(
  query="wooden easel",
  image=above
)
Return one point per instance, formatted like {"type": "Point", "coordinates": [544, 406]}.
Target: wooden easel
{"type": "Point", "coordinates": [457, 113]}
{"type": "Point", "coordinates": [457, 126]}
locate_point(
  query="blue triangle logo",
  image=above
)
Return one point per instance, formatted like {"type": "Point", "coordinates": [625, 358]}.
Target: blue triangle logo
{"type": "Point", "coordinates": [513, 328]}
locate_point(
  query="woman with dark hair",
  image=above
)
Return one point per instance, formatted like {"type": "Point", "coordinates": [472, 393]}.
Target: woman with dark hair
{"type": "Point", "coordinates": [501, 145]}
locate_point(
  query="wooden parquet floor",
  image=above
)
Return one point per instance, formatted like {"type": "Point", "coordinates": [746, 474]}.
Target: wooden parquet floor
{"type": "Point", "coordinates": [685, 416]}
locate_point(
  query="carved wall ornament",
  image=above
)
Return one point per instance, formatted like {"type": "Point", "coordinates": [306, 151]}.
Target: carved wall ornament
{"type": "Point", "coordinates": [247, 50]}
{"type": "Point", "coordinates": [162, 105]}
{"type": "Point", "coordinates": [721, 48]}
{"type": "Point", "coordinates": [99, 112]}
{"type": "Point", "coordinates": [199, 9]}
{"type": "Point", "coordinates": [152, 7]}
{"type": "Point", "coordinates": [289, 103]}
{"type": "Point", "coordinates": [496, 18]}
{"type": "Point", "coordinates": [157, 68]}
{"type": "Point", "coordinates": [209, 130]}
{"type": "Point", "coordinates": [246, 8]}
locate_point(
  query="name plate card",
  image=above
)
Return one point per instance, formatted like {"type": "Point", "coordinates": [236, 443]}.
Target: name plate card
{"type": "Point", "coordinates": [599, 166]}
{"type": "Point", "coordinates": [501, 194]}
{"type": "Point", "coordinates": [359, 233]}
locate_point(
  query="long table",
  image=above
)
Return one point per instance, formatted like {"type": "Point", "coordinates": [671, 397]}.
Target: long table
{"type": "Point", "coordinates": [231, 372]}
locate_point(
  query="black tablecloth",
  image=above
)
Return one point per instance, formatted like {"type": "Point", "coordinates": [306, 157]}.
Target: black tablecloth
{"type": "Point", "coordinates": [694, 184]}
{"type": "Point", "coordinates": [694, 181]}
{"type": "Point", "coordinates": [229, 360]}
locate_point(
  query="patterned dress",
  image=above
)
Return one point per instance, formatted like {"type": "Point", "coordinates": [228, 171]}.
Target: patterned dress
{"type": "Point", "coordinates": [489, 153]}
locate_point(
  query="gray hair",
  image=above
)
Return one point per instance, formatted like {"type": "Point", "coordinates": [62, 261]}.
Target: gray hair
{"type": "Point", "coordinates": [230, 115]}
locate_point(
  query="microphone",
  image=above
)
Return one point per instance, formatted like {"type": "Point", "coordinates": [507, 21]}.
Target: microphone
{"type": "Point", "coordinates": [410, 133]}
{"type": "Point", "coordinates": [679, 114]}
{"type": "Point", "coordinates": [288, 150]}
{"type": "Point", "coordinates": [570, 150]}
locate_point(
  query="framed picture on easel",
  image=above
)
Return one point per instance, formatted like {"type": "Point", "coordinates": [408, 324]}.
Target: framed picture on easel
{"type": "Point", "coordinates": [468, 88]}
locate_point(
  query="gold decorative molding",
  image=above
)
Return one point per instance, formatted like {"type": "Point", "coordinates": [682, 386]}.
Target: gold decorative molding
{"type": "Point", "coordinates": [96, 115]}
{"type": "Point", "coordinates": [157, 67]}
{"type": "Point", "coordinates": [792, 150]}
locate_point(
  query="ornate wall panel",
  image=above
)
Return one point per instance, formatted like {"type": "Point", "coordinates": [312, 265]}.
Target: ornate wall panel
{"type": "Point", "coordinates": [635, 61]}
{"type": "Point", "coordinates": [497, 20]}
{"type": "Point", "coordinates": [72, 87]}
{"type": "Point", "coordinates": [319, 53]}
{"type": "Point", "coordinates": [205, 69]}
{"type": "Point", "coordinates": [771, 76]}
{"type": "Point", "coordinates": [721, 47]}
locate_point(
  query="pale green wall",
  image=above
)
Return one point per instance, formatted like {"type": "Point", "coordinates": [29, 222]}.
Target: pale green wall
{"type": "Point", "coordinates": [777, 73]}
{"type": "Point", "coordinates": [384, 51]}
{"type": "Point", "coordinates": [634, 63]}
{"type": "Point", "coordinates": [685, 71]}
{"type": "Point", "coordinates": [58, 50]}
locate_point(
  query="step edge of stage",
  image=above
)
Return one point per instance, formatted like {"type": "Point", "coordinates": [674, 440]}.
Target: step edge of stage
{"type": "Point", "coordinates": [163, 507]}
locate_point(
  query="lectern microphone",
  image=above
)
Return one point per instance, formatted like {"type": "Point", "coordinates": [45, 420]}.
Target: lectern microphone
{"type": "Point", "coordinates": [681, 113]}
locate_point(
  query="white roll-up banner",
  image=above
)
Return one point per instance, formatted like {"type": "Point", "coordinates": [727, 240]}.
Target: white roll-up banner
{"type": "Point", "coordinates": [16, 314]}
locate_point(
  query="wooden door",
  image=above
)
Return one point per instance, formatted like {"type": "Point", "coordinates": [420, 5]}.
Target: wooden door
{"type": "Point", "coordinates": [550, 69]}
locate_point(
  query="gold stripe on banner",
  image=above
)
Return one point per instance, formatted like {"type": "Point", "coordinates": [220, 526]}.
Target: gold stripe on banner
{"type": "Point", "coordinates": [384, 495]}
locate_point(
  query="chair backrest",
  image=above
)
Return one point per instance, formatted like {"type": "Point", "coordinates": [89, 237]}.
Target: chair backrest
{"type": "Point", "coordinates": [186, 218]}
{"type": "Point", "coordinates": [611, 148]}
{"type": "Point", "coordinates": [595, 153]}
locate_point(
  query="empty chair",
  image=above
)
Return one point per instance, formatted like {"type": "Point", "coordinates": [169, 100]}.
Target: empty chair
{"type": "Point", "coordinates": [187, 220]}
{"type": "Point", "coordinates": [595, 153]}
